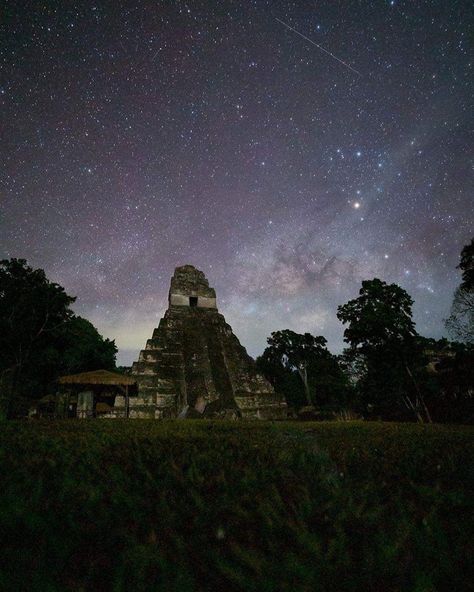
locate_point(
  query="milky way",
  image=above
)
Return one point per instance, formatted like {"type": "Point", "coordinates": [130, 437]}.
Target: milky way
{"type": "Point", "coordinates": [138, 136]}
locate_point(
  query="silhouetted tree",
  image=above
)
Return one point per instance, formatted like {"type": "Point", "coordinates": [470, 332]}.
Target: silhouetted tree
{"type": "Point", "coordinates": [381, 329]}
{"type": "Point", "coordinates": [460, 323]}
{"type": "Point", "coordinates": [297, 352]}
{"type": "Point", "coordinates": [77, 347]}
{"type": "Point", "coordinates": [466, 265]}
{"type": "Point", "coordinates": [40, 337]}
{"type": "Point", "coordinates": [85, 348]}
{"type": "Point", "coordinates": [32, 310]}
{"type": "Point", "coordinates": [450, 379]}
{"type": "Point", "coordinates": [283, 379]}
{"type": "Point", "coordinates": [300, 366]}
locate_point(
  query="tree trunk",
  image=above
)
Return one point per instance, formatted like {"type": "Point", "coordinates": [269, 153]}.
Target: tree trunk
{"type": "Point", "coordinates": [304, 377]}
{"type": "Point", "coordinates": [410, 405]}
{"type": "Point", "coordinates": [420, 402]}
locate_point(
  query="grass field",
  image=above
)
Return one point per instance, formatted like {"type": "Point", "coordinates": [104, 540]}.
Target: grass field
{"type": "Point", "coordinates": [194, 505]}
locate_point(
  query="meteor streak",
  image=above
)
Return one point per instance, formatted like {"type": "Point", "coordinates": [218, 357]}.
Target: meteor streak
{"type": "Point", "coordinates": [318, 46]}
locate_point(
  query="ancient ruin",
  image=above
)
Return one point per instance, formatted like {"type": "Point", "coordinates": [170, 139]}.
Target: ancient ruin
{"type": "Point", "coordinates": [194, 365]}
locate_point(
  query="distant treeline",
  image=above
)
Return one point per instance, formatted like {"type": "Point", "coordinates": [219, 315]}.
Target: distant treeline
{"type": "Point", "coordinates": [388, 371]}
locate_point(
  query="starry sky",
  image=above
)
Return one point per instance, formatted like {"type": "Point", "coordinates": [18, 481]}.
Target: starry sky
{"type": "Point", "coordinates": [141, 135]}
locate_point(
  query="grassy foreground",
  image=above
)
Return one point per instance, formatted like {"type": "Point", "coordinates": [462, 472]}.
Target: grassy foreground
{"type": "Point", "coordinates": [194, 505]}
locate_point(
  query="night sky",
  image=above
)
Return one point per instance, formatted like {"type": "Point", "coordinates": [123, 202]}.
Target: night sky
{"type": "Point", "coordinates": [138, 136]}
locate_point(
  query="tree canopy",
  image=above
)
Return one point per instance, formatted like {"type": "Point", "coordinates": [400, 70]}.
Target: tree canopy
{"type": "Point", "coordinates": [302, 368]}
{"type": "Point", "coordinates": [466, 265]}
{"type": "Point", "coordinates": [381, 315]}
{"type": "Point", "coordinates": [296, 352]}
{"type": "Point", "coordinates": [40, 337]}
{"type": "Point", "coordinates": [32, 309]}
{"type": "Point", "coordinates": [380, 327]}
{"type": "Point", "coordinates": [460, 323]}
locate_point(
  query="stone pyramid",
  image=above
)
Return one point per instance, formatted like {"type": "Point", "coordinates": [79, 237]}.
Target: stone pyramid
{"type": "Point", "coordinates": [194, 365]}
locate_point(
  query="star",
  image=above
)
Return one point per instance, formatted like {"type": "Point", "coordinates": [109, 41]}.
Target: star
{"type": "Point", "coordinates": [150, 139]}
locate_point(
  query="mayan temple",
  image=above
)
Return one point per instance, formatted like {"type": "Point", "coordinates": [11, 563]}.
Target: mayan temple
{"type": "Point", "coordinates": [194, 365]}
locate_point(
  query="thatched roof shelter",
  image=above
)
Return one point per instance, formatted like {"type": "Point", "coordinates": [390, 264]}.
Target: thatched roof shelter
{"type": "Point", "coordinates": [95, 391]}
{"type": "Point", "coordinates": [104, 377]}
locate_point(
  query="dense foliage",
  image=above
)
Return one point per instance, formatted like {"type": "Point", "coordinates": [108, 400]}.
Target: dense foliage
{"type": "Point", "coordinates": [187, 506]}
{"type": "Point", "coordinates": [449, 380]}
{"type": "Point", "coordinates": [302, 368]}
{"type": "Point", "coordinates": [461, 320]}
{"type": "Point", "coordinates": [380, 329]}
{"type": "Point", "coordinates": [466, 265]}
{"type": "Point", "coordinates": [40, 337]}
{"type": "Point", "coordinates": [387, 372]}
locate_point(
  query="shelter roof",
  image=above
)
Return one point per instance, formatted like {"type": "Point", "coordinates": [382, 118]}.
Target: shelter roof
{"type": "Point", "coordinates": [97, 377]}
